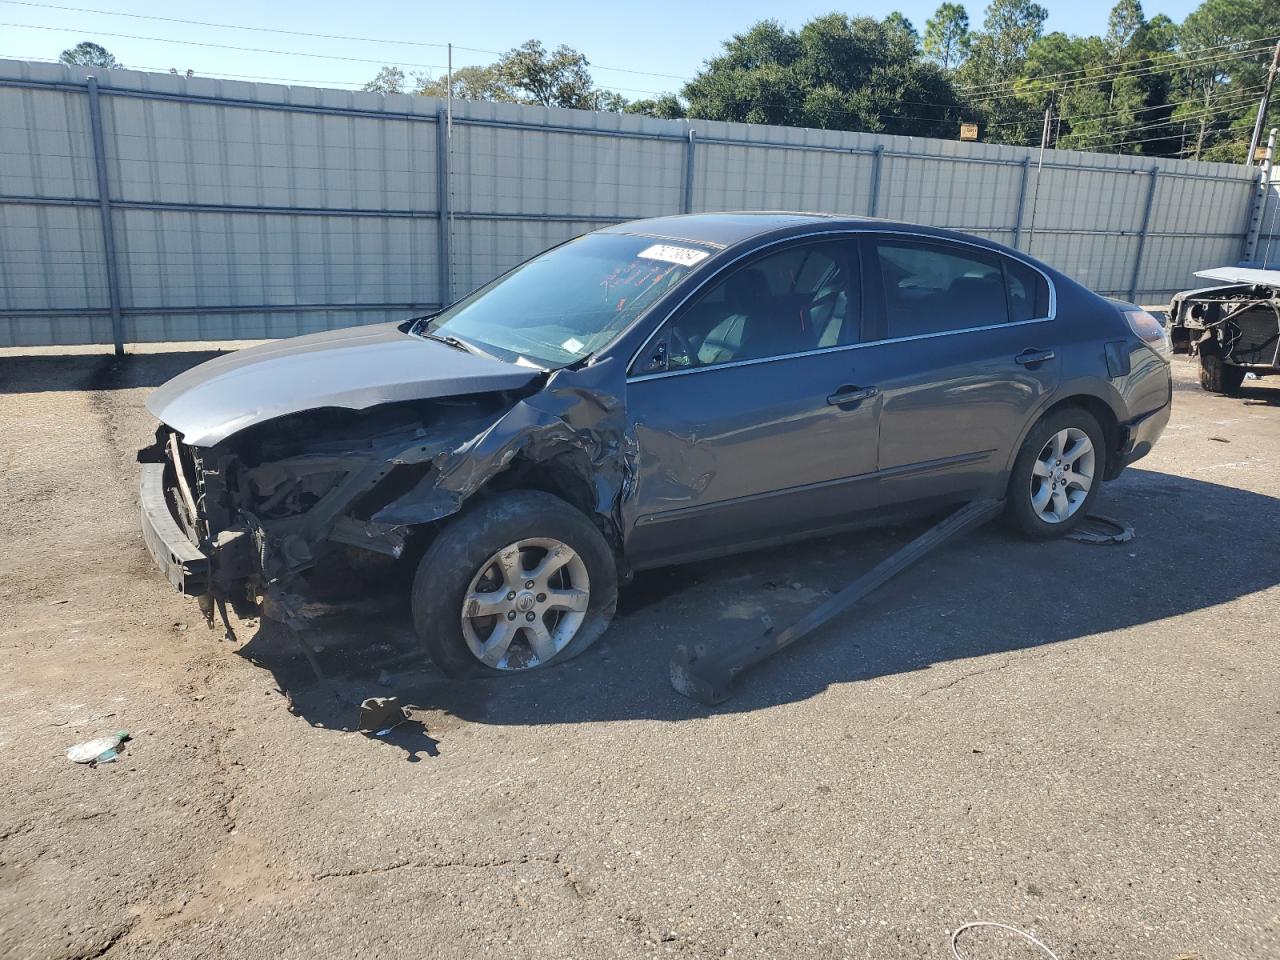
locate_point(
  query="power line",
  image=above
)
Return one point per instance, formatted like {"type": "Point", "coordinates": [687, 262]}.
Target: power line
{"type": "Point", "coordinates": [302, 33]}
{"type": "Point", "coordinates": [1117, 114]}
{"type": "Point", "coordinates": [590, 63]}
{"type": "Point", "coordinates": [204, 74]}
{"type": "Point", "coordinates": [224, 26]}
{"type": "Point", "coordinates": [226, 46]}
{"type": "Point", "coordinates": [1171, 121]}
{"type": "Point", "coordinates": [1171, 67]}
{"type": "Point", "coordinates": [1172, 136]}
{"type": "Point", "coordinates": [1173, 63]}
{"type": "Point", "coordinates": [980, 91]}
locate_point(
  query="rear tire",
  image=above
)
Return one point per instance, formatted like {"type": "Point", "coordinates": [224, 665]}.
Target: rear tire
{"type": "Point", "coordinates": [1047, 494]}
{"type": "Point", "coordinates": [482, 554]}
{"type": "Point", "coordinates": [1218, 376]}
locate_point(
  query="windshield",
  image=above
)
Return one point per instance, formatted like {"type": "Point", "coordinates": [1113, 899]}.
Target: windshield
{"type": "Point", "coordinates": [571, 301]}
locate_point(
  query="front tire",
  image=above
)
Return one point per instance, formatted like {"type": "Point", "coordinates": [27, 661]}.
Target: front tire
{"type": "Point", "coordinates": [1057, 474]}
{"type": "Point", "coordinates": [1218, 376]}
{"type": "Point", "coordinates": [521, 581]}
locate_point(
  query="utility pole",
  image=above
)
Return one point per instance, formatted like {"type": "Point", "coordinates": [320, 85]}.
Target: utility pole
{"type": "Point", "coordinates": [1035, 197]}
{"type": "Point", "coordinates": [1264, 104]}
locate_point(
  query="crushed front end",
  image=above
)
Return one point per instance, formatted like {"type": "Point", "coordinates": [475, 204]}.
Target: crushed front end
{"type": "Point", "coordinates": [242, 520]}
{"type": "Point", "coordinates": [238, 522]}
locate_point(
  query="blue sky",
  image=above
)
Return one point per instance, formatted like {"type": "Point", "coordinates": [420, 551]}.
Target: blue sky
{"type": "Point", "coordinates": [669, 38]}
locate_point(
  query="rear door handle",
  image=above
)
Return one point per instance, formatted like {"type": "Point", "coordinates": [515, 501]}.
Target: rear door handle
{"type": "Point", "coordinates": [845, 395]}
{"type": "Point", "coordinates": [1029, 357]}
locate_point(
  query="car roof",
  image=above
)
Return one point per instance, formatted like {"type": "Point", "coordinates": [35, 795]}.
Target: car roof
{"type": "Point", "coordinates": [722, 230]}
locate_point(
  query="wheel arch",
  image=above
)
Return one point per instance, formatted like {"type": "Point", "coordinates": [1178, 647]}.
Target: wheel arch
{"type": "Point", "coordinates": [565, 475]}
{"type": "Point", "coordinates": [1101, 409]}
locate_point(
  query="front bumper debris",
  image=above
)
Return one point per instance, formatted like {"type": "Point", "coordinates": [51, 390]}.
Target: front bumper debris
{"type": "Point", "coordinates": [184, 563]}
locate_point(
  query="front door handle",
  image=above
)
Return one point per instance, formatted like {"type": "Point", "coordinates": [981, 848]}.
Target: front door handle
{"type": "Point", "coordinates": [846, 395]}
{"type": "Point", "coordinates": [1029, 358]}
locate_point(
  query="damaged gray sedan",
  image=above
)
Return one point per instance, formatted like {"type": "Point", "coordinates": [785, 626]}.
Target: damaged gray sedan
{"type": "Point", "coordinates": [655, 392]}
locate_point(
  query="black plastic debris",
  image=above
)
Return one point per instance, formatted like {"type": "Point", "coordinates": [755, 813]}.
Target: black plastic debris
{"type": "Point", "coordinates": [381, 715]}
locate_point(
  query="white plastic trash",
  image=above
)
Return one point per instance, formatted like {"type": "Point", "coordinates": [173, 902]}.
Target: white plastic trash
{"type": "Point", "coordinates": [98, 750]}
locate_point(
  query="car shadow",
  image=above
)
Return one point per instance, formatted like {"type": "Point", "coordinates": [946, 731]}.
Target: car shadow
{"type": "Point", "coordinates": [1196, 546]}
{"type": "Point", "coordinates": [1256, 396]}
{"type": "Point", "coordinates": [1262, 392]}
{"type": "Point", "coordinates": [42, 372]}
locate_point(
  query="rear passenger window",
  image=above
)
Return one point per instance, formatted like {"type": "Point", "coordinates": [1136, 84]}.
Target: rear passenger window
{"type": "Point", "coordinates": [1028, 292]}
{"type": "Point", "coordinates": [936, 288]}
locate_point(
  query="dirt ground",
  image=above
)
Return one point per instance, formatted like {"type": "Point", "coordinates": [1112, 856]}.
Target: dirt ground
{"type": "Point", "coordinates": [1081, 741]}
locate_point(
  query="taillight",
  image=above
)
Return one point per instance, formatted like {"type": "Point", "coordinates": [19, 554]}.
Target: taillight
{"type": "Point", "coordinates": [1148, 329]}
{"type": "Point", "coordinates": [1145, 326]}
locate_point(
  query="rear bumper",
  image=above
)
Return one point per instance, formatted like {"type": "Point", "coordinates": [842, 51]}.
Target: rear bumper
{"type": "Point", "coordinates": [1138, 436]}
{"type": "Point", "coordinates": [186, 566]}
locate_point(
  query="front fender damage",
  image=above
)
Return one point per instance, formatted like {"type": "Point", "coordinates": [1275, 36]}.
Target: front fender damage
{"type": "Point", "coordinates": [301, 493]}
{"type": "Point", "coordinates": [578, 418]}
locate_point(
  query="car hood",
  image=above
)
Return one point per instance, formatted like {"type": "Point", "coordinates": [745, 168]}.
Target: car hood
{"type": "Point", "coordinates": [355, 368]}
{"type": "Point", "coordinates": [1250, 275]}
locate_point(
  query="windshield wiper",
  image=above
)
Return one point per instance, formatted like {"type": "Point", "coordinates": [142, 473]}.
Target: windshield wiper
{"type": "Point", "coordinates": [452, 341]}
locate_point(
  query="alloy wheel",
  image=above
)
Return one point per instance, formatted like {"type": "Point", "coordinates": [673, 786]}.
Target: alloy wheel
{"type": "Point", "coordinates": [1062, 475]}
{"type": "Point", "coordinates": [525, 603]}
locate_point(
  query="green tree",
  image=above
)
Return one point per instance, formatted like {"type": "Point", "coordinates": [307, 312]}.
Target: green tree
{"type": "Point", "coordinates": [86, 54]}
{"type": "Point", "coordinates": [559, 78]}
{"type": "Point", "coordinates": [388, 80]}
{"type": "Point", "coordinates": [902, 31]}
{"type": "Point", "coordinates": [997, 57]}
{"type": "Point", "coordinates": [1216, 108]}
{"type": "Point", "coordinates": [667, 106]}
{"type": "Point", "coordinates": [835, 72]}
{"type": "Point", "coordinates": [469, 83]}
{"type": "Point", "coordinates": [527, 74]}
{"type": "Point", "coordinates": [946, 36]}
{"type": "Point", "coordinates": [1124, 25]}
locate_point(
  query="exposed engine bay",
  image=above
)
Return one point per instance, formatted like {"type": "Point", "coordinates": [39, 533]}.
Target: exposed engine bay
{"type": "Point", "coordinates": [1239, 324]}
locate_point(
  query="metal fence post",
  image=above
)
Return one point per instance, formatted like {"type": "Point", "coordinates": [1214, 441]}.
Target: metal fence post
{"type": "Point", "coordinates": [688, 173]}
{"type": "Point", "coordinates": [1022, 202]}
{"type": "Point", "coordinates": [1142, 234]}
{"type": "Point", "coordinates": [110, 262]}
{"type": "Point", "coordinates": [1260, 191]}
{"type": "Point", "coordinates": [443, 205]}
{"type": "Point", "coordinates": [877, 158]}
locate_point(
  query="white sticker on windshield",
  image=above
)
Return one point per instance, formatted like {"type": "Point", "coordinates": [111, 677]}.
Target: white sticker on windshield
{"type": "Point", "coordinates": [669, 253]}
{"type": "Point", "coordinates": [573, 345]}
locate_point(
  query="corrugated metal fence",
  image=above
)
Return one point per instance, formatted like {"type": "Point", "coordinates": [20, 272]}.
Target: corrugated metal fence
{"type": "Point", "coordinates": [151, 207]}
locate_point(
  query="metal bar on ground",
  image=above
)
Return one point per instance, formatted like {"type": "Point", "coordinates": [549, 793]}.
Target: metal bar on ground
{"type": "Point", "coordinates": [1142, 234]}
{"type": "Point", "coordinates": [706, 673]}
{"type": "Point", "coordinates": [110, 262]}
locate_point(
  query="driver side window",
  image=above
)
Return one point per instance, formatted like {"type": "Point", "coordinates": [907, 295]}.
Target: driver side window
{"type": "Point", "coordinates": [803, 298]}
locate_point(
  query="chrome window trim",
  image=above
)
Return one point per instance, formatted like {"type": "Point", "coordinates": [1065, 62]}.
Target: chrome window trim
{"type": "Point", "coordinates": [831, 234]}
{"type": "Point", "coordinates": [823, 350]}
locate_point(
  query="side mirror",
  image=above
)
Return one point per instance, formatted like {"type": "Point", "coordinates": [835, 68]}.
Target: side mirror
{"type": "Point", "coordinates": [657, 360]}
